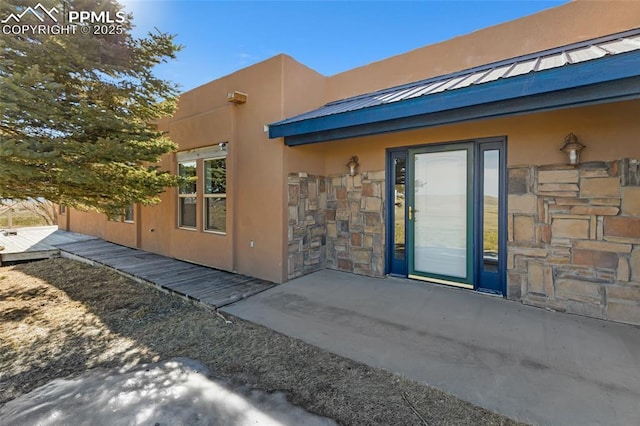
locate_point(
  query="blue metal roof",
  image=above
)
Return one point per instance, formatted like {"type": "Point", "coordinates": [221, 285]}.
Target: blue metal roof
{"type": "Point", "coordinates": [603, 60]}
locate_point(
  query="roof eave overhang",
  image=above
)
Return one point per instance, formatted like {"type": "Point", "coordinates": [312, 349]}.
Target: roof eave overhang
{"type": "Point", "coordinates": [609, 79]}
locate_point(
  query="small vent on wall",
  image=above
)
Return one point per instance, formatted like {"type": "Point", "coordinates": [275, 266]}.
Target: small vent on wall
{"type": "Point", "coordinates": [237, 97]}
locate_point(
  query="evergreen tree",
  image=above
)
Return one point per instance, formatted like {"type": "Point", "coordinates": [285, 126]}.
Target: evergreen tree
{"type": "Point", "coordinates": [78, 110]}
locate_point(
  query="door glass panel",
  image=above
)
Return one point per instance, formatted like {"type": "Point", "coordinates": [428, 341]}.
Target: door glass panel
{"type": "Point", "coordinates": [490, 191]}
{"type": "Point", "coordinates": [440, 213]}
{"type": "Point", "coordinates": [400, 205]}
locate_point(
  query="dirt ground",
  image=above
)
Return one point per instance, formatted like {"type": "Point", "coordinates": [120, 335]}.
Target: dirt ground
{"type": "Point", "coordinates": [60, 318]}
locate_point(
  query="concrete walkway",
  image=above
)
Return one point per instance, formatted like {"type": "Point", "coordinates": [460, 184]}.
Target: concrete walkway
{"type": "Point", "coordinates": [530, 364]}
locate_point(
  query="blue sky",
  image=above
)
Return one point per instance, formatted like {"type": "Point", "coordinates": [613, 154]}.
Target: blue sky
{"type": "Point", "coordinates": [220, 37]}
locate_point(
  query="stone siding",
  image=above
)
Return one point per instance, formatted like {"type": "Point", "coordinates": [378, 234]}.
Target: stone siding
{"type": "Point", "coordinates": [355, 223]}
{"type": "Point", "coordinates": [336, 222]}
{"type": "Point", "coordinates": [307, 204]}
{"type": "Point", "coordinates": [574, 238]}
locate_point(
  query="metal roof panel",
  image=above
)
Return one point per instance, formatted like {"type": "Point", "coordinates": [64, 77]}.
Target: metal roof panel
{"type": "Point", "coordinates": [538, 62]}
{"type": "Point", "coordinates": [621, 46]}
{"type": "Point", "coordinates": [429, 88]}
{"type": "Point", "coordinates": [586, 54]}
{"type": "Point", "coordinates": [521, 68]}
{"type": "Point", "coordinates": [448, 84]}
{"type": "Point", "coordinates": [494, 74]}
{"type": "Point", "coordinates": [552, 61]}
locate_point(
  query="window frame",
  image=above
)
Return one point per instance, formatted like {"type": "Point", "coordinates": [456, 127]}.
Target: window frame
{"type": "Point", "coordinates": [199, 156]}
{"type": "Point", "coordinates": [122, 218]}
{"type": "Point", "coordinates": [132, 207]}
{"type": "Point", "coordinates": [185, 195]}
{"type": "Point", "coordinates": [206, 196]}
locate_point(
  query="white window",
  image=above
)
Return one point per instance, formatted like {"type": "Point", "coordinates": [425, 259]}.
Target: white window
{"type": "Point", "coordinates": [215, 194]}
{"type": "Point", "coordinates": [187, 195]}
{"type": "Point", "coordinates": [210, 162]}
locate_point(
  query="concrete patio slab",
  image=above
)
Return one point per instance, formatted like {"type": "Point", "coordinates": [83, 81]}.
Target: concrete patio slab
{"type": "Point", "coordinates": [530, 364]}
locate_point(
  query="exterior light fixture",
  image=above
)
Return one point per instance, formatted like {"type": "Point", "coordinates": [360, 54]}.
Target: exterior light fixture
{"type": "Point", "coordinates": [572, 148]}
{"type": "Point", "coordinates": [353, 165]}
{"type": "Point", "coordinates": [237, 97]}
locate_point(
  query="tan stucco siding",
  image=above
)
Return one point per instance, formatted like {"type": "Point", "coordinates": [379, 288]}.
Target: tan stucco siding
{"type": "Point", "coordinates": [254, 169]}
{"type": "Point", "coordinates": [203, 129]}
{"type": "Point", "coordinates": [86, 222]}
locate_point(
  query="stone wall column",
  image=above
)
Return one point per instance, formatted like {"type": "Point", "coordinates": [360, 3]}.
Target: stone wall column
{"type": "Point", "coordinates": [355, 223]}
{"type": "Point", "coordinates": [307, 227]}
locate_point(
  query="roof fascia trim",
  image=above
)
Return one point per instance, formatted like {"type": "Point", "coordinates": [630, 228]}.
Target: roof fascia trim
{"type": "Point", "coordinates": [620, 90]}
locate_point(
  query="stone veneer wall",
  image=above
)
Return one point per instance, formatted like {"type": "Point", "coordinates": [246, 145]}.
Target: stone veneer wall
{"type": "Point", "coordinates": [574, 238]}
{"type": "Point", "coordinates": [355, 223]}
{"type": "Point", "coordinates": [307, 224]}
{"type": "Point", "coordinates": [336, 222]}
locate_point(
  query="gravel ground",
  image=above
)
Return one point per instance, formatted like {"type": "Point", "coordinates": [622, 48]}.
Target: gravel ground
{"type": "Point", "coordinates": [60, 318]}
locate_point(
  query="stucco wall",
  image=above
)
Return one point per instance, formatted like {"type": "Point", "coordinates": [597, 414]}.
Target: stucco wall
{"type": "Point", "coordinates": [86, 222]}
{"type": "Point", "coordinates": [97, 224]}
{"type": "Point", "coordinates": [253, 241]}
{"type": "Point", "coordinates": [256, 231]}
{"type": "Point", "coordinates": [205, 118]}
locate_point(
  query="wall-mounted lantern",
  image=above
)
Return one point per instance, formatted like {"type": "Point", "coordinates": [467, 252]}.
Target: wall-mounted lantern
{"type": "Point", "coordinates": [572, 148]}
{"type": "Point", "coordinates": [237, 97]}
{"type": "Point", "coordinates": [353, 165]}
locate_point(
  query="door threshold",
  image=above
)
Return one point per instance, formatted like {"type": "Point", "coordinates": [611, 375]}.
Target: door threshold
{"type": "Point", "coordinates": [452, 284]}
{"type": "Point", "coordinates": [490, 293]}
{"type": "Point", "coordinates": [439, 281]}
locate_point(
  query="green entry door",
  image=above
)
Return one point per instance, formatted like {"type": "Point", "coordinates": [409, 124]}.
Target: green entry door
{"type": "Point", "coordinates": [440, 214]}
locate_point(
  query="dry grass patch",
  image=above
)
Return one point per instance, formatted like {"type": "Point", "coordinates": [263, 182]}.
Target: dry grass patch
{"type": "Point", "coordinates": [60, 318]}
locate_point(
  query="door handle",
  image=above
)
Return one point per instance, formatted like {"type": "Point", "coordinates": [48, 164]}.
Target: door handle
{"type": "Point", "coordinates": [412, 211]}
